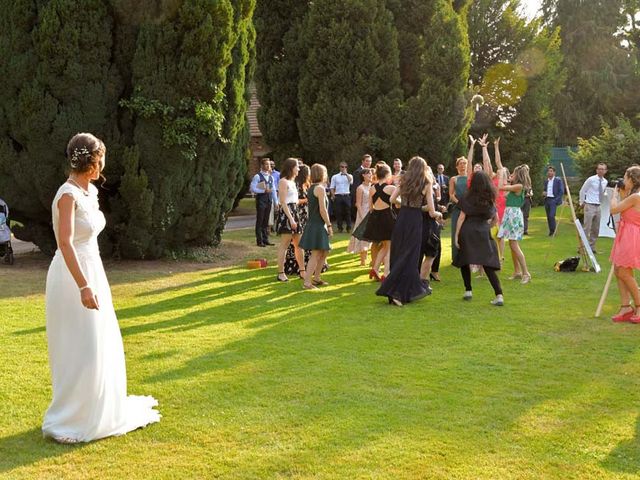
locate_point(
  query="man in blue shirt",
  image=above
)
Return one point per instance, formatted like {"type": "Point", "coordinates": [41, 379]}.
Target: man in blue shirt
{"type": "Point", "coordinates": [263, 187]}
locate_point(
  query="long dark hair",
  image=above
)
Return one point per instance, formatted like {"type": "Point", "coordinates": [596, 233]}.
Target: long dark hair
{"type": "Point", "coordinates": [414, 182]}
{"type": "Point", "coordinates": [302, 180]}
{"type": "Point", "coordinates": [481, 192]}
{"type": "Point", "coordinates": [287, 168]}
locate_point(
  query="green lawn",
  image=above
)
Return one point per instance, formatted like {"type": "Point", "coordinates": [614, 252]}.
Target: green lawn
{"type": "Point", "coordinates": [258, 379]}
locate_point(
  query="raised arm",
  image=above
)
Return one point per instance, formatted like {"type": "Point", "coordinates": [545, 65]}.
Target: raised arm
{"type": "Point", "coordinates": [516, 188]}
{"type": "Point", "coordinates": [470, 156]}
{"type": "Point", "coordinates": [618, 206]}
{"type": "Point", "coordinates": [486, 160]}
{"type": "Point", "coordinates": [496, 154]}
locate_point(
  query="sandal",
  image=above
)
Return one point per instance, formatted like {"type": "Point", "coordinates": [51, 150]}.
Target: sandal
{"type": "Point", "coordinates": [319, 283]}
{"type": "Point", "coordinates": [515, 276]}
{"type": "Point", "coordinates": [626, 316]}
{"type": "Point", "coordinates": [309, 287]}
{"type": "Point", "coordinates": [526, 279]}
{"type": "Point", "coordinates": [65, 440]}
{"type": "Point", "coordinates": [285, 279]}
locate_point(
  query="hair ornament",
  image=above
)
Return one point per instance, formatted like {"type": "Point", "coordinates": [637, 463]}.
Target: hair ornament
{"type": "Point", "coordinates": [78, 155]}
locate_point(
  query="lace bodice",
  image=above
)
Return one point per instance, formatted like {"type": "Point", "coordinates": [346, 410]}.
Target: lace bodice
{"type": "Point", "coordinates": [89, 220]}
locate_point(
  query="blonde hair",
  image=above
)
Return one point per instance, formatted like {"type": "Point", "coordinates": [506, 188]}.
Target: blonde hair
{"type": "Point", "coordinates": [318, 173]}
{"type": "Point", "coordinates": [459, 160]}
{"type": "Point", "coordinates": [521, 176]}
{"type": "Point", "coordinates": [633, 172]}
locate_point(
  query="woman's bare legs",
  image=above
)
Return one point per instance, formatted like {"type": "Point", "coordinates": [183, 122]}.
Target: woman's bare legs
{"type": "Point", "coordinates": [285, 240]}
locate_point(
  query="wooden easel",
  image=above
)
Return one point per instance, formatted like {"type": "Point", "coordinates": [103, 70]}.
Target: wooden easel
{"type": "Point", "coordinates": [586, 255]}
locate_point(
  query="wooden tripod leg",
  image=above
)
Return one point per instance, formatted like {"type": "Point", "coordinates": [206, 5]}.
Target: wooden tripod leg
{"type": "Point", "coordinates": [605, 291]}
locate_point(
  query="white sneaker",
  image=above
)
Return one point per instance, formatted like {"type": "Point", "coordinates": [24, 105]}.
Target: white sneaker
{"type": "Point", "coordinates": [498, 301]}
{"type": "Point", "coordinates": [468, 295]}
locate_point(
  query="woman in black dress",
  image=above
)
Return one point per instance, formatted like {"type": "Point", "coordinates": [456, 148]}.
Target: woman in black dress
{"type": "Point", "coordinates": [431, 227]}
{"type": "Point", "coordinates": [381, 219]}
{"type": "Point", "coordinates": [404, 284]}
{"type": "Point", "coordinates": [473, 235]}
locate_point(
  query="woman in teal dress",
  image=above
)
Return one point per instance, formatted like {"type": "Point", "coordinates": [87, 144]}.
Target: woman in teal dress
{"type": "Point", "coordinates": [318, 229]}
{"type": "Point", "coordinates": [458, 185]}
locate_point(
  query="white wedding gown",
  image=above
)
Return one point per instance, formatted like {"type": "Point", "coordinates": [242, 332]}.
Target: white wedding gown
{"type": "Point", "coordinates": [86, 354]}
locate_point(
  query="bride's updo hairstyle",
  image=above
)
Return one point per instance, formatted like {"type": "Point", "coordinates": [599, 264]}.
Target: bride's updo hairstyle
{"type": "Point", "coordinates": [84, 151]}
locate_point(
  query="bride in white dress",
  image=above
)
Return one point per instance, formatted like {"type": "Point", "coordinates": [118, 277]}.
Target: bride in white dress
{"type": "Point", "coordinates": [86, 354]}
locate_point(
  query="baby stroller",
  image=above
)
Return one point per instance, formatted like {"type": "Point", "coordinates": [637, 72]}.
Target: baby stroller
{"type": "Point", "coordinates": [5, 234]}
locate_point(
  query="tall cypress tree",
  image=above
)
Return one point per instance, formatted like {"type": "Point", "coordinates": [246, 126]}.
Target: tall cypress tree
{"type": "Point", "coordinates": [165, 85]}
{"type": "Point", "coordinates": [434, 68]}
{"type": "Point", "coordinates": [349, 81]}
{"type": "Point", "coordinates": [56, 79]}
{"type": "Point", "coordinates": [279, 61]}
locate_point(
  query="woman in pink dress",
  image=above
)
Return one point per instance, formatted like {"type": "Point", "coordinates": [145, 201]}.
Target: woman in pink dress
{"type": "Point", "coordinates": [625, 254]}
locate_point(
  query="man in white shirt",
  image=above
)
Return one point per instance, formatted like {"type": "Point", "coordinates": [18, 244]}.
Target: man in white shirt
{"type": "Point", "coordinates": [263, 187]}
{"type": "Point", "coordinates": [340, 194]}
{"type": "Point", "coordinates": [591, 196]}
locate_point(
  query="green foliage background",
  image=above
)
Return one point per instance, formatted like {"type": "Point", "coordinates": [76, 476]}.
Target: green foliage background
{"type": "Point", "coordinates": [165, 86]}
{"type": "Point", "coordinates": [338, 79]}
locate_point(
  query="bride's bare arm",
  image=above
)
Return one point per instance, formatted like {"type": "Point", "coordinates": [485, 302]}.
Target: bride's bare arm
{"type": "Point", "coordinates": [66, 212]}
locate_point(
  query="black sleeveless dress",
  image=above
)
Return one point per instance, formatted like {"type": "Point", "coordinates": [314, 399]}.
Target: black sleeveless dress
{"type": "Point", "coordinates": [404, 282]}
{"type": "Point", "coordinates": [380, 223]}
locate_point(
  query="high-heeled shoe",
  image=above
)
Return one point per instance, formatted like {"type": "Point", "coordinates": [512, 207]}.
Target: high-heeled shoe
{"type": "Point", "coordinates": [285, 279]}
{"type": "Point", "coordinates": [395, 301]}
{"type": "Point", "coordinates": [382, 277]}
{"type": "Point", "coordinates": [374, 275]}
{"type": "Point", "coordinates": [526, 279]}
{"type": "Point", "coordinates": [624, 317]}
{"type": "Point", "coordinates": [434, 277]}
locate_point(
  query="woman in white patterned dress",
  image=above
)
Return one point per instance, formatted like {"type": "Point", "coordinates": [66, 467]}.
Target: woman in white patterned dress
{"type": "Point", "coordinates": [86, 354]}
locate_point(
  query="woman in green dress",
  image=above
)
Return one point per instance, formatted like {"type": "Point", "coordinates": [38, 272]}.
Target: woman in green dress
{"type": "Point", "coordinates": [318, 229]}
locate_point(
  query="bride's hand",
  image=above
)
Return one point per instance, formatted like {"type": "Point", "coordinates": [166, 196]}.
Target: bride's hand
{"type": "Point", "coordinates": [89, 299]}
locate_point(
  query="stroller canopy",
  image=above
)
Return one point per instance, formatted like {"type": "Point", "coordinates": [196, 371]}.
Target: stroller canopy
{"type": "Point", "coordinates": [5, 233]}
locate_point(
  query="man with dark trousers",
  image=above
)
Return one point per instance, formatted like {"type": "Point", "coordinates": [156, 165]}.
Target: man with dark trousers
{"type": "Point", "coordinates": [341, 195]}
{"type": "Point", "coordinates": [263, 187]}
{"type": "Point", "coordinates": [553, 192]}
{"type": "Point", "coordinates": [443, 181]}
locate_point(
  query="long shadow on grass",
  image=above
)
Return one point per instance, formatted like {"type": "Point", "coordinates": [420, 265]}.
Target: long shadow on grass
{"type": "Point", "coordinates": [29, 447]}
{"type": "Point", "coordinates": [625, 458]}
{"type": "Point", "coordinates": [338, 363]}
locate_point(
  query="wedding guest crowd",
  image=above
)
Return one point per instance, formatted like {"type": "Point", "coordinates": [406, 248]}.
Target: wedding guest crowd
{"type": "Point", "coordinates": [399, 219]}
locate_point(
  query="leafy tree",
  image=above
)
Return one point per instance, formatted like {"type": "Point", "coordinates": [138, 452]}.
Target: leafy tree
{"type": "Point", "coordinates": [602, 75]}
{"type": "Point", "coordinates": [516, 67]}
{"type": "Point", "coordinates": [617, 145]}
